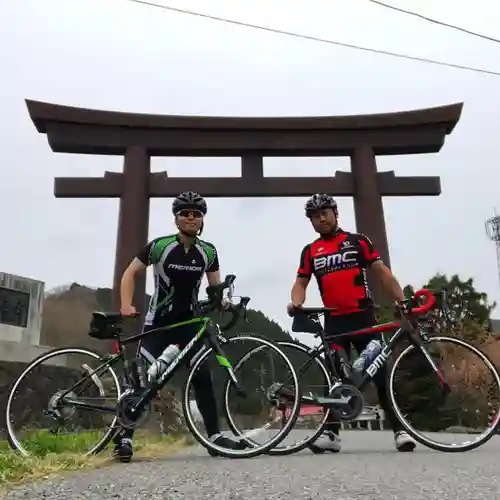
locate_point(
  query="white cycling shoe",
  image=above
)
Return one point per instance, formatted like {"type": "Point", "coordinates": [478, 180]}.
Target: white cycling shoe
{"type": "Point", "coordinates": [403, 441]}
{"type": "Point", "coordinates": [328, 441]}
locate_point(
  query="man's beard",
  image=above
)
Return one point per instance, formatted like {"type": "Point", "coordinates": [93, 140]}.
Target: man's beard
{"type": "Point", "coordinates": [331, 230]}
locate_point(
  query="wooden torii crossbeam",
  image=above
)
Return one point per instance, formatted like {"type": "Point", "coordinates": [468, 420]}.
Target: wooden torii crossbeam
{"type": "Point", "coordinates": [138, 137]}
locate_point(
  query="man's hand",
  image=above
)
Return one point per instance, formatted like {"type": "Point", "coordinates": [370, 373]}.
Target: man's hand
{"type": "Point", "coordinates": [291, 307]}
{"type": "Point", "coordinates": [128, 310]}
{"type": "Point", "coordinates": [225, 305]}
{"type": "Point", "coordinates": [402, 307]}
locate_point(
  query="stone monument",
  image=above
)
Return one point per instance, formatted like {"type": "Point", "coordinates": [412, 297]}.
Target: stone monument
{"type": "Point", "coordinates": [21, 305]}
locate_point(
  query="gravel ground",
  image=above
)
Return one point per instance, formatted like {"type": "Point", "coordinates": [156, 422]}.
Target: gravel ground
{"type": "Point", "coordinates": [367, 468]}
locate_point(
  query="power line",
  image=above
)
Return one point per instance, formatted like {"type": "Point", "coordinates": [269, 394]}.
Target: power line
{"type": "Point", "coordinates": [316, 39]}
{"type": "Point", "coordinates": [435, 21]}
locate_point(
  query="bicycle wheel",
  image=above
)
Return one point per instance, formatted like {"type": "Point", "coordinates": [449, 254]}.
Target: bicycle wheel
{"type": "Point", "coordinates": [458, 372]}
{"type": "Point", "coordinates": [240, 344]}
{"type": "Point", "coordinates": [49, 411]}
{"type": "Point", "coordinates": [313, 377]}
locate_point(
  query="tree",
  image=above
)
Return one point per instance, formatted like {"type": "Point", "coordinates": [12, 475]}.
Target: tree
{"type": "Point", "coordinates": [461, 310]}
{"type": "Point", "coordinates": [468, 310]}
{"type": "Point", "coordinates": [465, 302]}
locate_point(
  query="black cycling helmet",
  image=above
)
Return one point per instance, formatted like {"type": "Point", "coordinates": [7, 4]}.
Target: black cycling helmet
{"type": "Point", "coordinates": [189, 200]}
{"type": "Point", "coordinates": [320, 201]}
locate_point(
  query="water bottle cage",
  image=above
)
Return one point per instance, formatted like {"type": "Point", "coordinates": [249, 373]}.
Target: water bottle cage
{"type": "Point", "coordinates": [345, 371]}
{"type": "Point", "coordinates": [137, 376]}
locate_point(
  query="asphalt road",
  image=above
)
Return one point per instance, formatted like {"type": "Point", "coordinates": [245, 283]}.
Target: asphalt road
{"type": "Point", "coordinates": [367, 468]}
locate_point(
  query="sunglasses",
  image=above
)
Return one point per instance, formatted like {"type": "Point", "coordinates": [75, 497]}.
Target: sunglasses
{"type": "Point", "coordinates": [190, 213]}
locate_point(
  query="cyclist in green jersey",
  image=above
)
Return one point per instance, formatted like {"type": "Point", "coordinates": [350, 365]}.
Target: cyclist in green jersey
{"type": "Point", "coordinates": [179, 262]}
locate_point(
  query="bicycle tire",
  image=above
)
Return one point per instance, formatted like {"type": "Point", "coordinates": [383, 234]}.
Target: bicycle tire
{"type": "Point", "coordinates": [483, 438]}
{"type": "Point", "coordinates": [113, 428]}
{"type": "Point", "coordinates": [249, 452]}
{"type": "Point", "coordinates": [295, 448]}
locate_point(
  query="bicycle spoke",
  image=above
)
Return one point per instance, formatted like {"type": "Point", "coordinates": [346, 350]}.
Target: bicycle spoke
{"type": "Point", "coordinates": [64, 412]}
{"type": "Point", "coordinates": [438, 393]}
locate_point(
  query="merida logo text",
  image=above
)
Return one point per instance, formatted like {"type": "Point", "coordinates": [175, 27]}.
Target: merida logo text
{"type": "Point", "coordinates": [179, 267]}
{"type": "Point", "coordinates": [335, 260]}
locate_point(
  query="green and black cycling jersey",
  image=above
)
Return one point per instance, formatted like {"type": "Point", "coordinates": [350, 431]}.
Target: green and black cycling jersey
{"type": "Point", "coordinates": [178, 274]}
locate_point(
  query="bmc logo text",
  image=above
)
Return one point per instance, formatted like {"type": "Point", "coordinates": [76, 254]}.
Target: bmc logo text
{"type": "Point", "coordinates": [335, 260]}
{"type": "Point", "coordinates": [379, 361]}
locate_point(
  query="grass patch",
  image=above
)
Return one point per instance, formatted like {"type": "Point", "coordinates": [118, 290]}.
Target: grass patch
{"type": "Point", "coordinates": [56, 454]}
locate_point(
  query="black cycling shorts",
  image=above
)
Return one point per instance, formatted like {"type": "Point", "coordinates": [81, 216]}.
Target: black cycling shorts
{"type": "Point", "coordinates": [336, 325]}
{"type": "Point", "coordinates": [151, 346]}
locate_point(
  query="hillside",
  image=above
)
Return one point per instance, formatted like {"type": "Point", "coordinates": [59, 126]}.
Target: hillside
{"type": "Point", "coordinates": [67, 311]}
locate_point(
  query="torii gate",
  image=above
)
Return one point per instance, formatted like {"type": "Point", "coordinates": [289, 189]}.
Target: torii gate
{"type": "Point", "coordinates": [138, 137]}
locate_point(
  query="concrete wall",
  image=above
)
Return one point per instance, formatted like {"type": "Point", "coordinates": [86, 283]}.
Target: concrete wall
{"type": "Point", "coordinates": [22, 343]}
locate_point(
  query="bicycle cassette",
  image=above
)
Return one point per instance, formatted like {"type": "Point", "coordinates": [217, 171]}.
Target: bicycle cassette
{"type": "Point", "coordinates": [56, 407]}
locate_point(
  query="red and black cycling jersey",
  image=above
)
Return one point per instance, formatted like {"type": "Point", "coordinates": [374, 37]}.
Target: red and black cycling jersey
{"type": "Point", "coordinates": [339, 262]}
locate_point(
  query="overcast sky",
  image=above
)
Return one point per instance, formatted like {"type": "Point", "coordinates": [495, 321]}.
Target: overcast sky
{"type": "Point", "coordinates": [123, 56]}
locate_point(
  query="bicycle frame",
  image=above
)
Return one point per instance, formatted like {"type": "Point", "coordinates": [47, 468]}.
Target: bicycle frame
{"type": "Point", "coordinates": [405, 330]}
{"type": "Point", "coordinates": [208, 331]}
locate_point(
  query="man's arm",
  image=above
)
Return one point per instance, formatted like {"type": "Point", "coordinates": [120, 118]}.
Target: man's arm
{"type": "Point", "coordinates": [381, 272]}
{"type": "Point", "coordinates": [213, 278]}
{"type": "Point", "coordinates": [213, 270]}
{"type": "Point", "coordinates": [298, 294]}
{"type": "Point", "coordinates": [304, 273]}
{"type": "Point", "coordinates": [388, 281]}
{"type": "Point", "coordinates": [139, 263]}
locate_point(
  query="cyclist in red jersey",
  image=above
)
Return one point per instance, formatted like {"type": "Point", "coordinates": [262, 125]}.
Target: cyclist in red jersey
{"type": "Point", "coordinates": [339, 260]}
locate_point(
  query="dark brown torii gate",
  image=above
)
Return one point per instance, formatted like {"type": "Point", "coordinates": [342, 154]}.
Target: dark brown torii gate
{"type": "Point", "coordinates": [138, 137]}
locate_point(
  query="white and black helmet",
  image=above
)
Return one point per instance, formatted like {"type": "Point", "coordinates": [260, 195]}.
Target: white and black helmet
{"type": "Point", "coordinates": [189, 200]}
{"type": "Point", "coordinates": [320, 201]}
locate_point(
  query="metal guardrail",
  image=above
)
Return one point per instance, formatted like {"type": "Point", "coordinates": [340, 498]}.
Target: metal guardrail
{"type": "Point", "coordinates": [370, 414]}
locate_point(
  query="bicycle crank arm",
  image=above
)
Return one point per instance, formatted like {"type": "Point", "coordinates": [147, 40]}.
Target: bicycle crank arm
{"type": "Point", "coordinates": [326, 402]}
{"type": "Point", "coordinates": [143, 401]}
{"type": "Point", "coordinates": [345, 399]}
{"type": "Point", "coordinates": [338, 402]}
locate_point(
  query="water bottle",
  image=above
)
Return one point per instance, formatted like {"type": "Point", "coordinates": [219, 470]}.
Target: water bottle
{"type": "Point", "coordinates": [371, 351]}
{"type": "Point", "coordinates": [157, 369]}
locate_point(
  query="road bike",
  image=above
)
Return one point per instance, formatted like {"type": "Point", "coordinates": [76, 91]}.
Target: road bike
{"type": "Point", "coordinates": [131, 395]}
{"type": "Point", "coordinates": [342, 393]}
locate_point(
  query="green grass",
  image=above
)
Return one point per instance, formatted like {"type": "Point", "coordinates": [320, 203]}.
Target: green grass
{"type": "Point", "coordinates": [43, 443]}
{"type": "Point", "coordinates": [55, 454]}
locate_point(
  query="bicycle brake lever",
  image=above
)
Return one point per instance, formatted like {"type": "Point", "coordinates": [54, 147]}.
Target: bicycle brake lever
{"type": "Point", "coordinates": [404, 307]}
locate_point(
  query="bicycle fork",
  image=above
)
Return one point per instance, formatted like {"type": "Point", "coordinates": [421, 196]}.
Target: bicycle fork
{"type": "Point", "coordinates": [225, 363]}
{"type": "Point", "coordinates": [418, 342]}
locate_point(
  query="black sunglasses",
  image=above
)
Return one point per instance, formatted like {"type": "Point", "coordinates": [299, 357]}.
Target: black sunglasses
{"type": "Point", "coordinates": [190, 213]}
